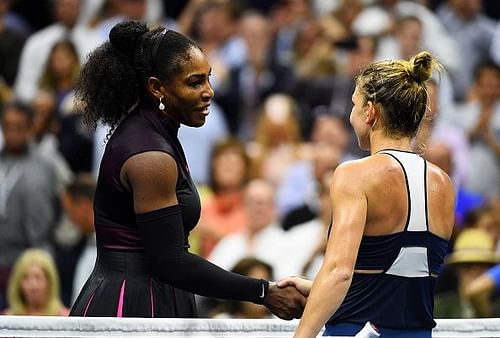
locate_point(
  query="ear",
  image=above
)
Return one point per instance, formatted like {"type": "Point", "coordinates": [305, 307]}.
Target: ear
{"type": "Point", "coordinates": [156, 87]}
{"type": "Point", "coordinates": [372, 113]}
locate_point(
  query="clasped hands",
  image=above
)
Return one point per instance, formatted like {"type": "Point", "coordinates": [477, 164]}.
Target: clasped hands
{"type": "Point", "coordinates": [287, 298]}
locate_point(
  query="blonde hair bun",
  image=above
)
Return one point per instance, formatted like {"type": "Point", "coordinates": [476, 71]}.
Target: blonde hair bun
{"type": "Point", "coordinates": [421, 66]}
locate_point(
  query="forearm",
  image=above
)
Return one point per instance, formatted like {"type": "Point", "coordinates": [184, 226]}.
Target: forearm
{"type": "Point", "coordinates": [195, 274]}
{"type": "Point", "coordinates": [163, 237]}
{"type": "Point", "coordinates": [327, 293]}
{"type": "Point", "coordinates": [478, 292]}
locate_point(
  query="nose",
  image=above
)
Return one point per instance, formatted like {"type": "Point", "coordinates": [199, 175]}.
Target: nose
{"type": "Point", "coordinates": [208, 93]}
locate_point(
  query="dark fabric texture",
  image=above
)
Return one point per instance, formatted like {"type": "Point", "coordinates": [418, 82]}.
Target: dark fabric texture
{"type": "Point", "coordinates": [144, 268]}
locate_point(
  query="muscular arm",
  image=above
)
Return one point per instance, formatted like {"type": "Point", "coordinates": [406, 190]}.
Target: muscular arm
{"type": "Point", "coordinates": [335, 276]}
{"type": "Point", "coordinates": [152, 178]}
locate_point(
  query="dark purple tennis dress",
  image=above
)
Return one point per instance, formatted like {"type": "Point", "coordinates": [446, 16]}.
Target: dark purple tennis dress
{"type": "Point", "coordinates": [123, 282]}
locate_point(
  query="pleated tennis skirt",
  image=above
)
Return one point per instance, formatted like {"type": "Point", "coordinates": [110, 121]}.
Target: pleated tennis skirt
{"type": "Point", "coordinates": [123, 285]}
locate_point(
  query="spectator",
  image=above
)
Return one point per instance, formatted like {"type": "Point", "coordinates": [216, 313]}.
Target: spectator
{"type": "Point", "coordinates": [254, 80]}
{"type": "Point", "coordinates": [222, 211]}
{"type": "Point", "coordinates": [27, 194]}
{"type": "Point", "coordinates": [277, 138]}
{"type": "Point", "coordinates": [473, 33]}
{"type": "Point", "coordinates": [199, 143]}
{"type": "Point", "coordinates": [263, 237]}
{"type": "Point", "coordinates": [78, 201]}
{"type": "Point", "coordinates": [45, 130]}
{"type": "Point", "coordinates": [473, 254]}
{"type": "Point", "coordinates": [12, 38]}
{"type": "Point", "coordinates": [480, 120]}
{"type": "Point", "coordinates": [483, 218]}
{"type": "Point", "coordinates": [378, 20]}
{"type": "Point", "coordinates": [37, 49]}
{"type": "Point", "coordinates": [61, 71]}
{"type": "Point", "coordinates": [306, 242]}
{"type": "Point", "coordinates": [34, 286]}
{"type": "Point", "coordinates": [297, 195]}
{"type": "Point", "coordinates": [436, 128]}
{"type": "Point", "coordinates": [480, 291]}
{"type": "Point", "coordinates": [250, 267]}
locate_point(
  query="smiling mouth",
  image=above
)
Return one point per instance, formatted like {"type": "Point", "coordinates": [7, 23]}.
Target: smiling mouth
{"type": "Point", "coordinates": [204, 111]}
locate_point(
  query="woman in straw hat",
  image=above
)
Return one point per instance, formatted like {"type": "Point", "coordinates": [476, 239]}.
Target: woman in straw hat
{"type": "Point", "coordinates": [473, 254]}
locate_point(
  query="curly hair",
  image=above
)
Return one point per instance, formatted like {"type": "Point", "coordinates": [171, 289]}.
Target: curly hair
{"type": "Point", "coordinates": [114, 77]}
{"type": "Point", "coordinates": [399, 87]}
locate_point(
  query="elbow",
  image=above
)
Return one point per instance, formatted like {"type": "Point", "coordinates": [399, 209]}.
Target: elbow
{"type": "Point", "coordinates": [344, 275]}
{"type": "Point", "coordinates": [340, 274]}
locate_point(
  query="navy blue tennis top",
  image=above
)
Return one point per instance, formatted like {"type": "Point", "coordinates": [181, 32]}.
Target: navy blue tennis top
{"type": "Point", "coordinates": [402, 296]}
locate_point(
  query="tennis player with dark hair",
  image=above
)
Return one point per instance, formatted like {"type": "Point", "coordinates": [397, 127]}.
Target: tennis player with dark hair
{"type": "Point", "coordinates": [145, 84]}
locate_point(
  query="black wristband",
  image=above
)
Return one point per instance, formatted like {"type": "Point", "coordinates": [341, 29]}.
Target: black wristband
{"type": "Point", "coordinates": [264, 291]}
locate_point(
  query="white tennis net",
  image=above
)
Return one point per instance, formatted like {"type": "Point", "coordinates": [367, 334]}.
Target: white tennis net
{"type": "Point", "coordinates": [34, 326]}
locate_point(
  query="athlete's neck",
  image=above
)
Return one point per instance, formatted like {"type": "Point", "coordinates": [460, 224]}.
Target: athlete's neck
{"type": "Point", "coordinates": [381, 142]}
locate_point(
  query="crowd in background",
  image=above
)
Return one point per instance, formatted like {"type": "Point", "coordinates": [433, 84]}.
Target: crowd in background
{"type": "Point", "coordinates": [283, 73]}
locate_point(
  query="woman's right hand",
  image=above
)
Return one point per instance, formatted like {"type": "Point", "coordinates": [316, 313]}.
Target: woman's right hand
{"type": "Point", "coordinates": [302, 284]}
{"type": "Point", "coordinates": [285, 302]}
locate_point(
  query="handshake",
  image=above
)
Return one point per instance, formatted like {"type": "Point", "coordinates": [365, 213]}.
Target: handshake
{"type": "Point", "coordinates": [287, 298]}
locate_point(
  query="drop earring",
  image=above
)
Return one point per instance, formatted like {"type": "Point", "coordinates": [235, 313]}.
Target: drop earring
{"type": "Point", "coordinates": [161, 106]}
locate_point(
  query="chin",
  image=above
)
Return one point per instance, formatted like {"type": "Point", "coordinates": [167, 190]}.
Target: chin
{"type": "Point", "coordinates": [196, 123]}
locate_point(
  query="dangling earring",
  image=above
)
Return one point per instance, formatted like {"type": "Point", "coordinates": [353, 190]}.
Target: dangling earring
{"type": "Point", "coordinates": [161, 106]}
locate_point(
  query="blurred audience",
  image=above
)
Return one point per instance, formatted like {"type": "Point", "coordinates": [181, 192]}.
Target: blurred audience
{"type": "Point", "coordinates": [473, 254]}
{"type": "Point", "coordinates": [473, 33]}
{"type": "Point", "coordinates": [13, 34]}
{"type": "Point", "coordinates": [61, 71]}
{"type": "Point", "coordinates": [28, 193]}
{"type": "Point", "coordinates": [297, 196]}
{"type": "Point", "coordinates": [34, 286]}
{"type": "Point", "coordinates": [198, 143]}
{"type": "Point", "coordinates": [251, 267]}
{"type": "Point", "coordinates": [36, 51]}
{"type": "Point", "coordinates": [78, 203]}
{"type": "Point", "coordinates": [306, 242]}
{"type": "Point", "coordinates": [222, 211]}
{"type": "Point", "coordinates": [277, 141]}
{"type": "Point", "coordinates": [263, 238]}
{"type": "Point", "coordinates": [480, 120]}
{"type": "Point", "coordinates": [45, 135]}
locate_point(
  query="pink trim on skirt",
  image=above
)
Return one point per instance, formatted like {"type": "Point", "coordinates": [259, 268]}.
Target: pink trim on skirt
{"type": "Point", "coordinates": [88, 304]}
{"type": "Point", "coordinates": [119, 312]}
{"type": "Point", "coordinates": [151, 297]}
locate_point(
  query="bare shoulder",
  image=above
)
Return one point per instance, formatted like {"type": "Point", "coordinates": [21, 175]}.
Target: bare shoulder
{"type": "Point", "coordinates": [364, 168]}
{"type": "Point", "coordinates": [150, 165]}
{"type": "Point", "coordinates": [152, 178]}
{"type": "Point", "coordinates": [350, 176]}
{"type": "Point", "coordinates": [349, 170]}
{"type": "Point", "coordinates": [439, 179]}
{"type": "Point", "coordinates": [441, 201]}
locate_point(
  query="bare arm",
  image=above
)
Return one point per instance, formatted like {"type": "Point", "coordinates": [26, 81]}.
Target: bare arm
{"type": "Point", "coordinates": [479, 292]}
{"type": "Point", "coordinates": [151, 177]}
{"type": "Point", "coordinates": [335, 276]}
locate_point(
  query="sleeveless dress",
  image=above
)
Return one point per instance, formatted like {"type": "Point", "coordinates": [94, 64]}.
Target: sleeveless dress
{"type": "Point", "coordinates": [400, 300]}
{"type": "Point", "coordinates": [123, 283]}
